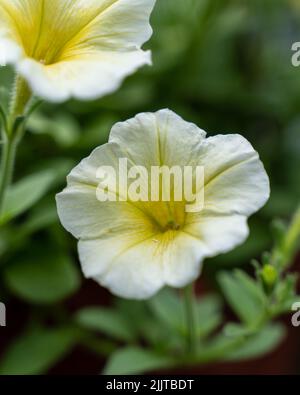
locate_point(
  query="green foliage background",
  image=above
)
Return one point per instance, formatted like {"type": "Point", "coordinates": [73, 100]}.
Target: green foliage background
{"type": "Point", "coordinates": [223, 64]}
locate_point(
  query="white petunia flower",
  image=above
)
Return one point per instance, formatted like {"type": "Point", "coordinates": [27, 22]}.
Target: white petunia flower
{"type": "Point", "coordinates": [74, 48]}
{"type": "Point", "coordinates": [135, 248]}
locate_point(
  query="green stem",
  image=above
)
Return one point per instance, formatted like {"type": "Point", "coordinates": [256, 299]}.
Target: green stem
{"type": "Point", "coordinates": [11, 135]}
{"type": "Point", "coordinates": [189, 304]}
{"type": "Point", "coordinates": [6, 169]}
{"type": "Point", "coordinates": [285, 253]}
{"type": "Point", "coordinates": [293, 235]}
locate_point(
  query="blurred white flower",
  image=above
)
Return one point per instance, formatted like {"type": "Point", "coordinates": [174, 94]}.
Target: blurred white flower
{"type": "Point", "coordinates": [135, 248]}
{"type": "Point", "coordinates": [74, 48]}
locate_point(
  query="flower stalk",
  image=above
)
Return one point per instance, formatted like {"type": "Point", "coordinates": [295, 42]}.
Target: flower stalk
{"type": "Point", "coordinates": [293, 235]}
{"type": "Point", "coordinates": [12, 132]}
{"type": "Point", "coordinates": [283, 255]}
{"type": "Point", "coordinates": [7, 165]}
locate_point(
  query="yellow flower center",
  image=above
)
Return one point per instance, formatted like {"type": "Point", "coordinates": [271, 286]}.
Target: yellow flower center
{"type": "Point", "coordinates": [165, 216]}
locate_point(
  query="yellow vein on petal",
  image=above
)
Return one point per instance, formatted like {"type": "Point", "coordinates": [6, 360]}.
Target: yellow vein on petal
{"type": "Point", "coordinates": [82, 28]}
{"type": "Point", "coordinates": [42, 15]}
{"type": "Point", "coordinates": [128, 248]}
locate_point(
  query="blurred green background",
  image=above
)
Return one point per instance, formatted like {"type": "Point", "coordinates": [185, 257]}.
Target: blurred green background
{"type": "Point", "coordinates": [223, 64]}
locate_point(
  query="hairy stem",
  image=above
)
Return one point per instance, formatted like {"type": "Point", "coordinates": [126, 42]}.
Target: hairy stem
{"type": "Point", "coordinates": [293, 235]}
{"type": "Point", "coordinates": [6, 169]}
{"type": "Point", "coordinates": [284, 255]}
{"type": "Point", "coordinates": [11, 135]}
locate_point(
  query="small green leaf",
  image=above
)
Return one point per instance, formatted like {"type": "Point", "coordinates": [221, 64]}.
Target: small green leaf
{"type": "Point", "coordinates": [135, 360]}
{"type": "Point", "coordinates": [260, 344]}
{"type": "Point", "coordinates": [42, 216]}
{"type": "Point", "coordinates": [217, 347]}
{"type": "Point", "coordinates": [64, 128]}
{"type": "Point", "coordinates": [24, 194]}
{"type": "Point", "coordinates": [107, 321]}
{"type": "Point", "coordinates": [168, 308]}
{"type": "Point", "coordinates": [244, 296]}
{"type": "Point", "coordinates": [15, 236]}
{"type": "Point", "coordinates": [37, 351]}
{"type": "Point", "coordinates": [48, 280]}
{"type": "Point", "coordinates": [144, 325]}
{"type": "Point", "coordinates": [285, 294]}
{"type": "Point", "coordinates": [251, 286]}
{"type": "Point", "coordinates": [209, 315]}
{"type": "Point", "coordinates": [236, 330]}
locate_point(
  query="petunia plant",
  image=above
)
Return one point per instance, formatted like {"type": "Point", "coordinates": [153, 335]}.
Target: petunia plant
{"type": "Point", "coordinates": [147, 244]}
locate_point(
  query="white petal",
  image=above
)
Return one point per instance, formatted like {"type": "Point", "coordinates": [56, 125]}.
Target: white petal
{"type": "Point", "coordinates": [235, 179]}
{"type": "Point", "coordinates": [122, 24]}
{"type": "Point", "coordinates": [219, 233]}
{"type": "Point", "coordinates": [87, 77]}
{"type": "Point", "coordinates": [83, 215]}
{"type": "Point", "coordinates": [58, 26]}
{"type": "Point", "coordinates": [161, 138]}
{"type": "Point", "coordinates": [129, 271]}
{"type": "Point", "coordinates": [10, 52]}
{"type": "Point", "coordinates": [138, 270]}
{"type": "Point", "coordinates": [183, 260]}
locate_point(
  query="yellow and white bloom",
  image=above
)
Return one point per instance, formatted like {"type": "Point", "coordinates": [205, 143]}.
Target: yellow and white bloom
{"type": "Point", "coordinates": [135, 248]}
{"type": "Point", "coordinates": [74, 48]}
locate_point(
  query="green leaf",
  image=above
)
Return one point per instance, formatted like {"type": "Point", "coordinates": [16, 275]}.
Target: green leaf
{"type": "Point", "coordinates": [107, 321]}
{"type": "Point", "coordinates": [260, 344]}
{"type": "Point", "coordinates": [252, 287]}
{"type": "Point", "coordinates": [243, 295]}
{"type": "Point", "coordinates": [37, 351]}
{"type": "Point", "coordinates": [135, 360]}
{"type": "Point", "coordinates": [167, 307]}
{"type": "Point", "coordinates": [14, 237]}
{"type": "Point", "coordinates": [24, 194]}
{"type": "Point", "coordinates": [216, 348]}
{"type": "Point", "coordinates": [209, 315]}
{"type": "Point", "coordinates": [64, 128]}
{"type": "Point", "coordinates": [42, 216]}
{"type": "Point", "coordinates": [142, 323]}
{"type": "Point", "coordinates": [47, 280]}
{"type": "Point", "coordinates": [236, 330]}
{"type": "Point", "coordinates": [285, 294]}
